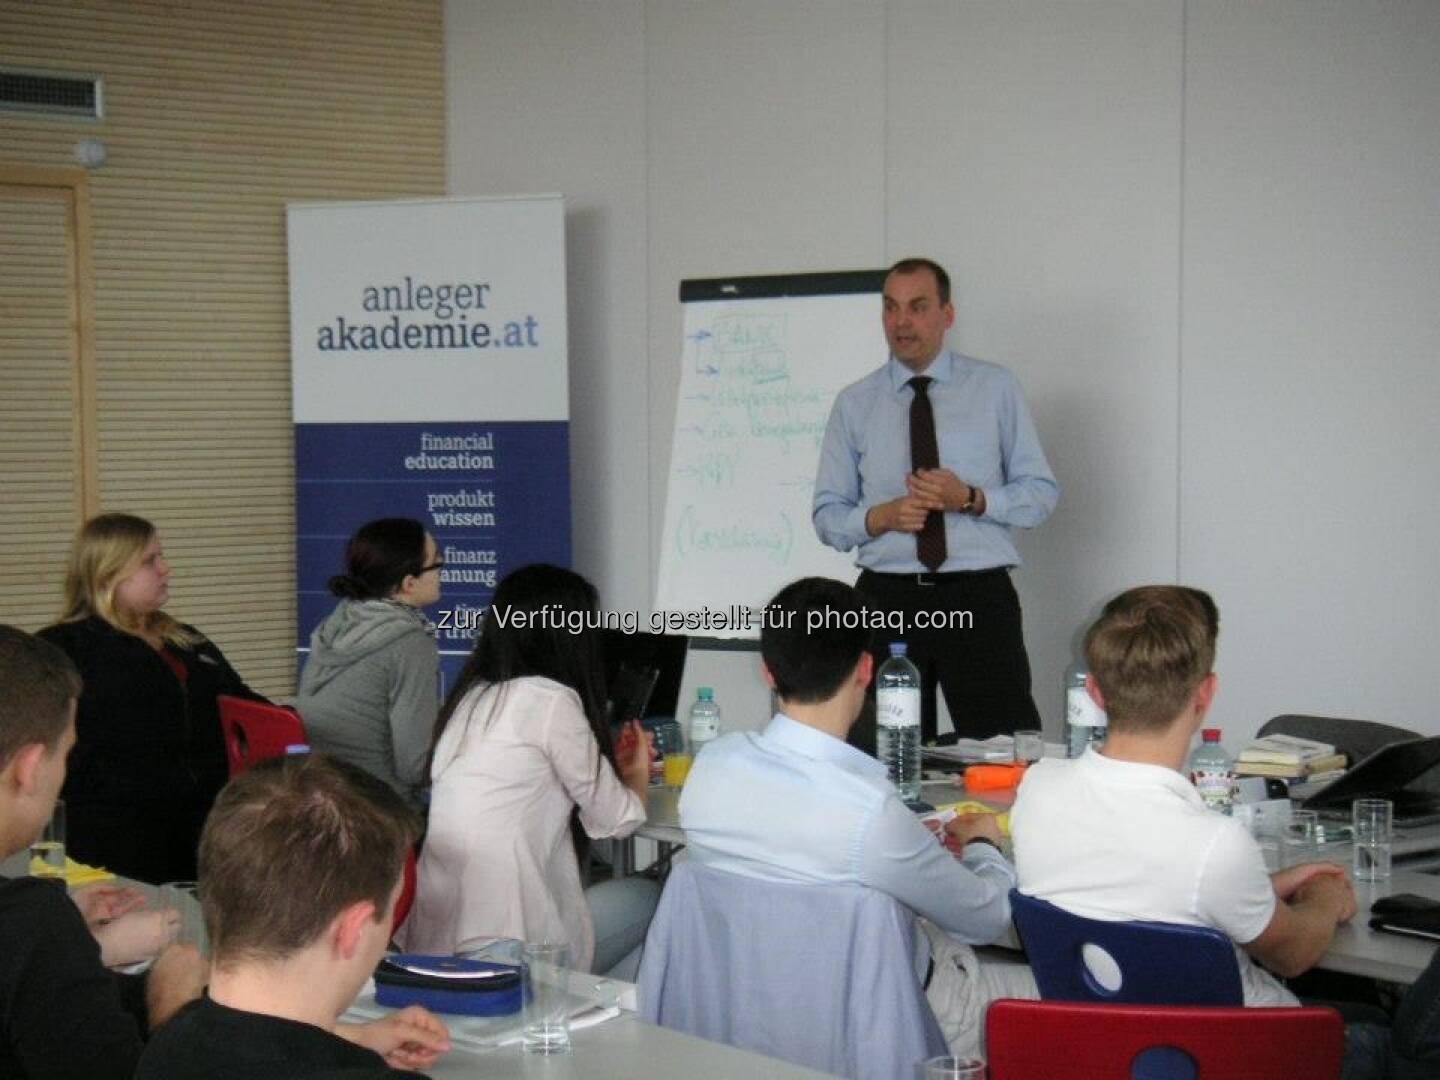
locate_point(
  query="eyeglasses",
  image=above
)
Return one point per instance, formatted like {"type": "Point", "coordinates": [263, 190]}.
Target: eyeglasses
{"type": "Point", "coordinates": [436, 565]}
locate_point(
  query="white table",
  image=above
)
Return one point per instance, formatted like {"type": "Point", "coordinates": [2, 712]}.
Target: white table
{"type": "Point", "coordinates": [1356, 949]}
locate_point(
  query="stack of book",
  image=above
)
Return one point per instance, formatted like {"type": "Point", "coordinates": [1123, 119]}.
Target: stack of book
{"type": "Point", "coordinates": [1290, 758]}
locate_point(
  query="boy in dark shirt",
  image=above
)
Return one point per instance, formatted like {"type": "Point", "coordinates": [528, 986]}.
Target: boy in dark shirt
{"type": "Point", "coordinates": [300, 866]}
{"type": "Point", "coordinates": [60, 1010]}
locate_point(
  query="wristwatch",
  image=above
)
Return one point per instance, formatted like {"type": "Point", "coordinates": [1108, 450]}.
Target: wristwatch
{"type": "Point", "coordinates": [980, 840]}
{"type": "Point", "coordinates": [968, 507]}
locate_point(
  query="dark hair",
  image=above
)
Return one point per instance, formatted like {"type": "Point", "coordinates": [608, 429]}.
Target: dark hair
{"type": "Point", "coordinates": [526, 631]}
{"type": "Point", "coordinates": [812, 638]}
{"type": "Point", "coordinates": [914, 265]}
{"type": "Point", "coordinates": [292, 843]}
{"type": "Point", "coordinates": [379, 557]}
{"type": "Point", "coordinates": [1149, 650]}
{"type": "Point", "coordinates": [37, 684]}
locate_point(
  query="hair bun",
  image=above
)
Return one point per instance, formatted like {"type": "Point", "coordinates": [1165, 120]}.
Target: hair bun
{"type": "Point", "coordinates": [346, 587]}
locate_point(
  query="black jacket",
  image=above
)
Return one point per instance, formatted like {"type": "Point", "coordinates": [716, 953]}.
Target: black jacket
{"type": "Point", "coordinates": [147, 747]}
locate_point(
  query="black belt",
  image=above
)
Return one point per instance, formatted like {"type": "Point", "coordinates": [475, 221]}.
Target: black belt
{"type": "Point", "coordinates": [949, 578]}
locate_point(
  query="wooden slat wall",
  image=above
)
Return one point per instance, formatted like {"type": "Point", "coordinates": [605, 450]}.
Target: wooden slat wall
{"type": "Point", "coordinates": [38, 463]}
{"type": "Point", "coordinates": [217, 114]}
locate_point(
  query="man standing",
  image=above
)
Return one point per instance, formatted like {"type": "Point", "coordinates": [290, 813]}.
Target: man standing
{"type": "Point", "coordinates": [926, 465]}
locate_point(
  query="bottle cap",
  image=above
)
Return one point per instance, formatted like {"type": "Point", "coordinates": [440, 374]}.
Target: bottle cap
{"type": "Point", "coordinates": [897, 648]}
{"type": "Point", "coordinates": [705, 693]}
{"type": "Point", "coordinates": [1210, 734]}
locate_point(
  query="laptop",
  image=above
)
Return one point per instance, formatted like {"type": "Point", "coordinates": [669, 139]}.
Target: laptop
{"type": "Point", "coordinates": [642, 673]}
{"type": "Point", "coordinates": [1385, 774]}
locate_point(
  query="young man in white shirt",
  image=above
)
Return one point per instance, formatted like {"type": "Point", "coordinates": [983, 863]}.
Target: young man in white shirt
{"type": "Point", "coordinates": [1122, 834]}
{"type": "Point", "coordinates": [795, 802]}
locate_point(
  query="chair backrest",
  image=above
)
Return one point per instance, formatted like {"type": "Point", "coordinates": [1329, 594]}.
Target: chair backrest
{"type": "Point", "coordinates": [820, 975]}
{"type": "Point", "coordinates": [256, 731]}
{"type": "Point", "coordinates": [1026, 1039]}
{"type": "Point", "coordinates": [1079, 959]}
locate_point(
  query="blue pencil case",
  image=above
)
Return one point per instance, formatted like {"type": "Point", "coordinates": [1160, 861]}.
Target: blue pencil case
{"type": "Point", "coordinates": [448, 984]}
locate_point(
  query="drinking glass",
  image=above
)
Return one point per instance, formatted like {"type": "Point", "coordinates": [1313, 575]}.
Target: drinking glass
{"type": "Point", "coordinates": [49, 848]}
{"type": "Point", "coordinates": [546, 976]}
{"type": "Point", "coordinates": [497, 950]}
{"type": "Point", "coordinates": [1029, 746]}
{"type": "Point", "coordinates": [1299, 838]}
{"type": "Point", "coordinates": [1373, 821]}
{"type": "Point", "coordinates": [952, 1068]}
{"type": "Point", "coordinates": [184, 897]}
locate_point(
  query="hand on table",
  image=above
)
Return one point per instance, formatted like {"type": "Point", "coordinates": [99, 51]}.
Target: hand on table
{"type": "Point", "coordinates": [100, 903]}
{"type": "Point", "coordinates": [136, 935]}
{"type": "Point", "coordinates": [1287, 881]}
{"type": "Point", "coordinates": [410, 1039]}
{"type": "Point", "coordinates": [1332, 890]}
{"type": "Point", "coordinates": [960, 830]}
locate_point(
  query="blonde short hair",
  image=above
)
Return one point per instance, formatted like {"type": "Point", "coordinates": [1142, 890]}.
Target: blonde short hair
{"type": "Point", "coordinates": [106, 551]}
{"type": "Point", "coordinates": [1150, 649]}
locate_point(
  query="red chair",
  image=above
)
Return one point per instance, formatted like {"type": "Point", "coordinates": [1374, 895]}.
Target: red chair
{"type": "Point", "coordinates": [407, 893]}
{"type": "Point", "coordinates": [1058, 1039]}
{"type": "Point", "coordinates": [256, 731]}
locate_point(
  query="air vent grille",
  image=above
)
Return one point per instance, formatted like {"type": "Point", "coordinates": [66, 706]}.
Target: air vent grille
{"type": "Point", "coordinates": [51, 94]}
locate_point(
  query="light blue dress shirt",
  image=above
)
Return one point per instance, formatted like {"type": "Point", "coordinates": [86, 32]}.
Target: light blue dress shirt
{"type": "Point", "coordinates": [791, 803]}
{"type": "Point", "coordinates": [986, 438]}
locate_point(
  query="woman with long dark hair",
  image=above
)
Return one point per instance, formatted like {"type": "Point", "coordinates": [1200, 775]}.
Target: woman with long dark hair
{"type": "Point", "coordinates": [149, 757]}
{"type": "Point", "coordinates": [522, 741]}
{"type": "Point", "coordinates": [370, 687]}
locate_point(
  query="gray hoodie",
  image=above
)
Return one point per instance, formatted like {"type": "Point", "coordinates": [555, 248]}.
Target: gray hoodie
{"type": "Point", "coordinates": [369, 691]}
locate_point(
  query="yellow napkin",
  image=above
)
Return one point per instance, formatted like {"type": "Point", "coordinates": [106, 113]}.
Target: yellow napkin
{"type": "Point", "coordinates": [970, 806]}
{"type": "Point", "coordinates": [75, 873]}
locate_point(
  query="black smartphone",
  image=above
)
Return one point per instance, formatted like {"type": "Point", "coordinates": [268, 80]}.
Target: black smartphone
{"type": "Point", "coordinates": [1402, 902]}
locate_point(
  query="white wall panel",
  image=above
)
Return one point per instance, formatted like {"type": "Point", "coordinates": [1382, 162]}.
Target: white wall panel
{"type": "Point", "coordinates": [1311, 353]}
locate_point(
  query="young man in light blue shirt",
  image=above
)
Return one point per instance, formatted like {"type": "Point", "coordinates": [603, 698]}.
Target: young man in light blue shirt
{"type": "Point", "coordinates": [794, 802]}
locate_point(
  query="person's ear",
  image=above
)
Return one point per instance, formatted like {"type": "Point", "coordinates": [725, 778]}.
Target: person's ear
{"type": "Point", "coordinates": [769, 678]}
{"type": "Point", "coordinates": [949, 311]}
{"type": "Point", "coordinates": [349, 927]}
{"type": "Point", "coordinates": [1205, 693]}
{"type": "Point", "coordinates": [25, 767]}
{"type": "Point", "coordinates": [865, 669]}
{"type": "Point", "coordinates": [1093, 689]}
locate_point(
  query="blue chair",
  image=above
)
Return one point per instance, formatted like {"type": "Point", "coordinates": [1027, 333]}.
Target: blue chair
{"type": "Point", "coordinates": [1129, 963]}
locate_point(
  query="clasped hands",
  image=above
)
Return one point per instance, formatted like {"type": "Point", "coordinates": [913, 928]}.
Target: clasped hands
{"type": "Point", "coordinates": [125, 932]}
{"type": "Point", "coordinates": [1318, 880]}
{"type": "Point", "coordinates": [927, 490]}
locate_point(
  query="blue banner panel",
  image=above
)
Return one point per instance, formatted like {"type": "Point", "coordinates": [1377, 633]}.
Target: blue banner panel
{"type": "Point", "coordinates": [494, 495]}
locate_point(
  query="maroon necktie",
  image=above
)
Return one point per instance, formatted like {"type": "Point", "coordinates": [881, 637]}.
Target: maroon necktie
{"type": "Point", "coordinates": [925, 454]}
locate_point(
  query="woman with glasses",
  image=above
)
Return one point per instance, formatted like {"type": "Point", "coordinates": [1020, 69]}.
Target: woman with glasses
{"type": "Point", "coordinates": [523, 748]}
{"type": "Point", "coordinates": [369, 690]}
{"type": "Point", "coordinates": [149, 756]}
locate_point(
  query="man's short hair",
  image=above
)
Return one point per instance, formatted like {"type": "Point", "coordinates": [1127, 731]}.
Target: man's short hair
{"type": "Point", "coordinates": [812, 638]}
{"type": "Point", "coordinates": [914, 265]}
{"type": "Point", "coordinates": [1149, 651]}
{"type": "Point", "coordinates": [37, 684]}
{"type": "Point", "coordinates": [291, 844]}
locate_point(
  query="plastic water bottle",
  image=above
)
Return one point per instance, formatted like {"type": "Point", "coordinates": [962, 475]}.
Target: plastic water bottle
{"type": "Point", "coordinates": [704, 720]}
{"type": "Point", "coordinates": [1085, 722]}
{"type": "Point", "coordinates": [1212, 771]}
{"type": "Point", "coordinates": [897, 721]}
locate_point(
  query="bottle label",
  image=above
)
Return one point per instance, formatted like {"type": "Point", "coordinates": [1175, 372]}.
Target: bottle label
{"type": "Point", "coordinates": [1215, 785]}
{"type": "Point", "coordinates": [1081, 710]}
{"type": "Point", "coordinates": [704, 728]}
{"type": "Point", "coordinates": [898, 708]}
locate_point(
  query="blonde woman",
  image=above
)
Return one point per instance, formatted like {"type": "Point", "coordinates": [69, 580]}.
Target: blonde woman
{"type": "Point", "coordinates": [149, 757]}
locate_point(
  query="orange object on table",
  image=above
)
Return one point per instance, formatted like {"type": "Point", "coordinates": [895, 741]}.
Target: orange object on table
{"type": "Point", "coordinates": [993, 777]}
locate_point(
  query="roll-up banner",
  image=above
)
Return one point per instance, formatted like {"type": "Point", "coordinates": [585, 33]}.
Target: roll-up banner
{"type": "Point", "coordinates": [428, 353]}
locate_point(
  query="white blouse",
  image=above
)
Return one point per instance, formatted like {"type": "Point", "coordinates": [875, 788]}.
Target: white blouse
{"type": "Point", "coordinates": [498, 860]}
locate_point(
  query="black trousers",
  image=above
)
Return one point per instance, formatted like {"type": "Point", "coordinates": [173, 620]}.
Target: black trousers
{"type": "Point", "coordinates": [982, 670]}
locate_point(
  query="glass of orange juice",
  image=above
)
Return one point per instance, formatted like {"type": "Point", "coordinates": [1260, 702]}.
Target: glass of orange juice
{"type": "Point", "coordinates": [677, 767]}
{"type": "Point", "coordinates": [675, 751]}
